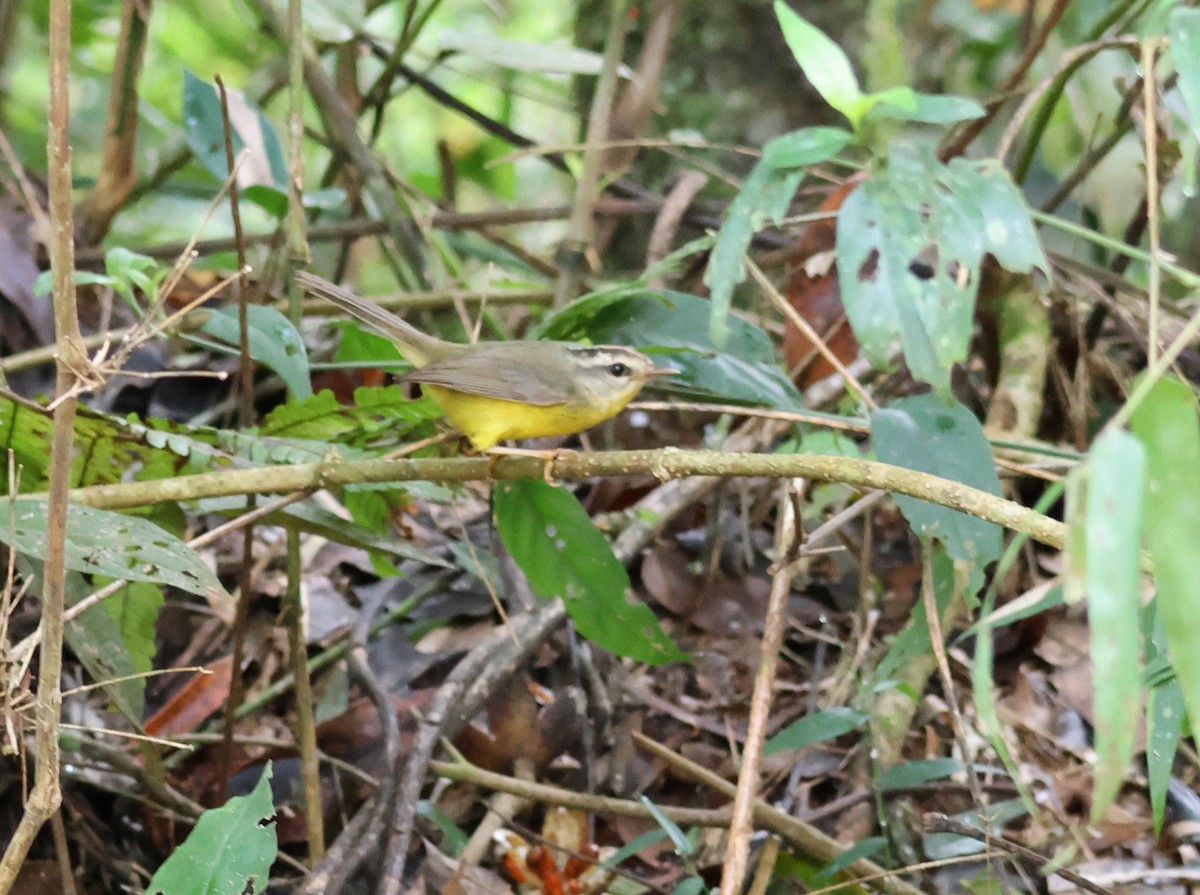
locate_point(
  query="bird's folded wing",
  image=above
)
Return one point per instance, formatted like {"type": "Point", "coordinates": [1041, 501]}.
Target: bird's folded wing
{"type": "Point", "coordinates": [478, 375]}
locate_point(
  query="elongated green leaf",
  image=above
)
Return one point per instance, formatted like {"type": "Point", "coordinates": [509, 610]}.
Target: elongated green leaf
{"type": "Point", "coordinates": [99, 644]}
{"type": "Point", "coordinates": [558, 548]}
{"type": "Point", "coordinates": [101, 542]}
{"type": "Point", "coordinates": [1164, 731]}
{"type": "Point", "coordinates": [1183, 29]}
{"type": "Point", "coordinates": [807, 146]}
{"type": "Point", "coordinates": [816, 728]}
{"type": "Point", "coordinates": [824, 63]}
{"type": "Point", "coordinates": [914, 773]}
{"type": "Point", "coordinates": [765, 196]}
{"type": "Point", "coordinates": [905, 104]}
{"type": "Point", "coordinates": [1112, 521]}
{"type": "Point", "coordinates": [229, 852]}
{"type": "Point", "coordinates": [929, 435]}
{"type": "Point", "coordinates": [1169, 429]}
{"type": "Point", "coordinates": [204, 127]}
{"type": "Point", "coordinates": [273, 340]}
{"type": "Point", "coordinates": [135, 612]}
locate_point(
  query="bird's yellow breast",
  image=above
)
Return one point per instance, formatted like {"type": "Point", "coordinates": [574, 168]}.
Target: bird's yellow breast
{"type": "Point", "coordinates": [487, 421]}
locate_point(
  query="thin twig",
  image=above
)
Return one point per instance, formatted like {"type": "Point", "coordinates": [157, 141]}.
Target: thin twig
{"type": "Point", "coordinates": [940, 823]}
{"type": "Point", "coordinates": [787, 543]}
{"type": "Point", "coordinates": [46, 795]}
{"type": "Point", "coordinates": [799, 834]}
{"type": "Point", "coordinates": [246, 389]}
{"type": "Point", "coordinates": [958, 142]}
{"type": "Point", "coordinates": [572, 254]}
{"type": "Point", "coordinates": [797, 320]}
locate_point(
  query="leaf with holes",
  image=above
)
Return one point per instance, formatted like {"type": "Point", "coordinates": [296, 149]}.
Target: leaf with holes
{"type": "Point", "coordinates": [558, 548]}
{"type": "Point", "coordinates": [101, 542]}
{"type": "Point", "coordinates": [229, 851]}
{"type": "Point", "coordinates": [910, 246]}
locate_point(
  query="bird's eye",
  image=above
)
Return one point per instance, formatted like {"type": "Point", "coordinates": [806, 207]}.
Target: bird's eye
{"type": "Point", "coordinates": [618, 370]}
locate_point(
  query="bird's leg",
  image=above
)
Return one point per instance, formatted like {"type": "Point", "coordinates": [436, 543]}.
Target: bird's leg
{"type": "Point", "coordinates": [548, 457]}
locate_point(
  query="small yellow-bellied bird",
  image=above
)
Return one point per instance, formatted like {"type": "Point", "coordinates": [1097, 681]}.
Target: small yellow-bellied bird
{"type": "Point", "coordinates": [494, 391]}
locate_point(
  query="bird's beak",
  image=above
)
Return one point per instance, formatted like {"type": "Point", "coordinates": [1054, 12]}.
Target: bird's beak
{"type": "Point", "coordinates": [654, 372]}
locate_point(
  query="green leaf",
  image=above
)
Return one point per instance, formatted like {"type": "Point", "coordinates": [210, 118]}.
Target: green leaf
{"type": "Point", "coordinates": [818, 727]}
{"type": "Point", "coordinates": [204, 128]}
{"type": "Point", "coordinates": [1166, 424]}
{"type": "Point", "coordinates": [826, 66]}
{"type": "Point", "coordinates": [744, 371]}
{"type": "Point", "coordinates": [1112, 523]}
{"type": "Point", "coordinates": [101, 542]}
{"type": "Point", "coordinates": [270, 199]}
{"type": "Point", "coordinates": [1184, 32]}
{"type": "Point", "coordinates": [866, 849]}
{"type": "Point", "coordinates": [558, 548]}
{"type": "Point", "coordinates": [228, 852]}
{"type": "Point", "coordinates": [683, 846]}
{"type": "Point", "coordinates": [807, 146]}
{"type": "Point", "coordinates": [914, 773]}
{"type": "Point", "coordinates": [360, 345]}
{"type": "Point", "coordinates": [905, 104]}
{"type": "Point", "coordinates": [910, 246]}
{"type": "Point", "coordinates": [1164, 731]}
{"type": "Point", "coordinates": [99, 644]}
{"type": "Point", "coordinates": [927, 434]}
{"type": "Point", "coordinates": [135, 611]}
{"type": "Point", "coordinates": [765, 196]}
{"type": "Point", "coordinates": [274, 343]}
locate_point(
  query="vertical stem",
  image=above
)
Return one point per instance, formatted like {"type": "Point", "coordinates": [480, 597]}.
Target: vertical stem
{"type": "Point", "coordinates": [788, 533]}
{"type": "Point", "coordinates": [246, 417]}
{"type": "Point", "coordinates": [572, 253]}
{"type": "Point", "coordinates": [1154, 280]}
{"type": "Point", "coordinates": [46, 796]}
{"type": "Point", "coordinates": [306, 726]}
{"type": "Point", "coordinates": [297, 235]}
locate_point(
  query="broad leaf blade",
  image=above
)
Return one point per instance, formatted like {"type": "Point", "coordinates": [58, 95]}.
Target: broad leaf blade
{"type": "Point", "coordinates": [816, 728]}
{"type": "Point", "coordinates": [273, 342]}
{"type": "Point", "coordinates": [558, 548]}
{"type": "Point", "coordinates": [1168, 428]}
{"type": "Point", "coordinates": [101, 542]}
{"type": "Point", "coordinates": [910, 247]}
{"type": "Point", "coordinates": [929, 435]}
{"type": "Point", "coordinates": [229, 852]}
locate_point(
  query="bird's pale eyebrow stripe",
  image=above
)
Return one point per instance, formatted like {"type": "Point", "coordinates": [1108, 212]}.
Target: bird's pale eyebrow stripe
{"type": "Point", "coordinates": [604, 354]}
